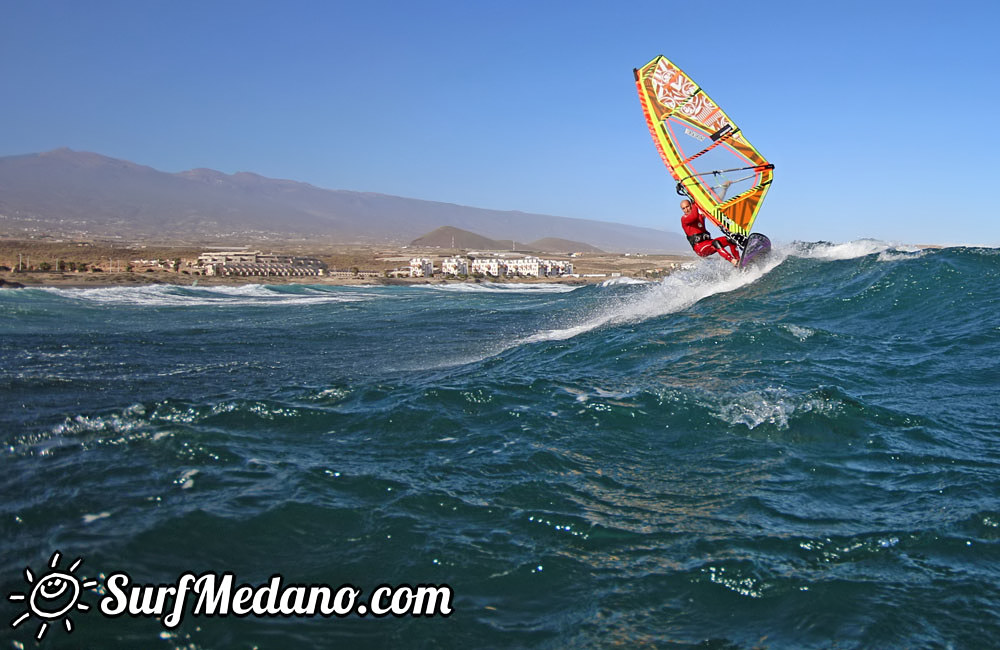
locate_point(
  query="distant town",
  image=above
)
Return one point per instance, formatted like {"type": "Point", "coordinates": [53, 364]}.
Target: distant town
{"type": "Point", "coordinates": [242, 263]}
{"type": "Point", "coordinates": [89, 262]}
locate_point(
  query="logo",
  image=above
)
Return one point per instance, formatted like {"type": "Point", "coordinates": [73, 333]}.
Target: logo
{"type": "Point", "coordinates": [54, 595]}
{"type": "Point", "coordinates": [694, 134]}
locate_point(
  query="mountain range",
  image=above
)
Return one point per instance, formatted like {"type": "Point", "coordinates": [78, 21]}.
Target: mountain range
{"type": "Point", "coordinates": [72, 193]}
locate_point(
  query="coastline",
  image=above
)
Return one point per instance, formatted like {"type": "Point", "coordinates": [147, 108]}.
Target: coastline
{"type": "Point", "coordinates": [106, 264]}
{"type": "Point", "coordinates": [88, 280]}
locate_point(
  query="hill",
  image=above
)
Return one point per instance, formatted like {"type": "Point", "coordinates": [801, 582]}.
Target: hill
{"type": "Point", "coordinates": [67, 193]}
{"type": "Point", "coordinates": [557, 245]}
{"type": "Point", "coordinates": [451, 237]}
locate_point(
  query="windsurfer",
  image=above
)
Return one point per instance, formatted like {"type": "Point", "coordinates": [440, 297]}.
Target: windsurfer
{"type": "Point", "coordinates": [693, 223]}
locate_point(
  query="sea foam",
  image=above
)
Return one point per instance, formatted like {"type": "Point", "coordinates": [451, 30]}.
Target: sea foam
{"type": "Point", "coordinates": [185, 296]}
{"type": "Point", "coordinates": [676, 292]}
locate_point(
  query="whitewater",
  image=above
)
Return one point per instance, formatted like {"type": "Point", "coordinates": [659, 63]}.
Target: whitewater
{"type": "Point", "coordinates": [801, 455]}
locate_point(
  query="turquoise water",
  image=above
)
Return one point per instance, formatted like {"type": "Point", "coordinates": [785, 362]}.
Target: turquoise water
{"type": "Point", "coordinates": [805, 455]}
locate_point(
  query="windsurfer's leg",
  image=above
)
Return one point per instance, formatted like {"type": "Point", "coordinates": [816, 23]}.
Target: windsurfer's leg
{"type": "Point", "coordinates": [720, 244]}
{"type": "Point", "coordinates": [704, 248]}
{"type": "Point", "coordinates": [733, 249]}
{"type": "Point", "coordinates": [724, 254]}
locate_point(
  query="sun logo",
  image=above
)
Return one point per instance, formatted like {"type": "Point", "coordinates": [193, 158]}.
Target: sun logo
{"type": "Point", "coordinates": [53, 596]}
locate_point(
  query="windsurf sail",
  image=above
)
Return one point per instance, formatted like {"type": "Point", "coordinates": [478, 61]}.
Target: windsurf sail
{"type": "Point", "coordinates": [707, 154]}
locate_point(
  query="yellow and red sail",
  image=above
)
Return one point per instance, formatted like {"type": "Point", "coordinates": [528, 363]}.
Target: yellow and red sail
{"type": "Point", "coordinates": [706, 153]}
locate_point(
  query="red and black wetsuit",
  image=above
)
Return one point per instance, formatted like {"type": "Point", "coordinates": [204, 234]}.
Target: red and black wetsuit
{"type": "Point", "coordinates": [693, 223]}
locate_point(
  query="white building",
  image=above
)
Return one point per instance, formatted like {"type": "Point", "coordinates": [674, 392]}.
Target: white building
{"type": "Point", "coordinates": [229, 257]}
{"type": "Point", "coordinates": [486, 266]}
{"type": "Point", "coordinates": [531, 267]}
{"type": "Point", "coordinates": [551, 268]}
{"type": "Point", "coordinates": [421, 267]}
{"type": "Point", "coordinates": [245, 263]}
{"type": "Point", "coordinates": [455, 266]}
{"type": "Point", "coordinates": [526, 266]}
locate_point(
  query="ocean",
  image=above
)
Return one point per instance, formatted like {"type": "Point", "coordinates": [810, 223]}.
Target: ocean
{"type": "Point", "coordinates": [803, 455]}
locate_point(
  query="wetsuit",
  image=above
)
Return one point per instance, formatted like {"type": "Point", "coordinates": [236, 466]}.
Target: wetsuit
{"type": "Point", "coordinates": [693, 223]}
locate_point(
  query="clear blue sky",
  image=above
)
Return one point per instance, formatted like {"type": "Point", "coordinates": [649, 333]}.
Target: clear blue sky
{"type": "Point", "coordinates": [880, 116]}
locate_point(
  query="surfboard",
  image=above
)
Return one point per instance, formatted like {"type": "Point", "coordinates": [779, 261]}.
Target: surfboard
{"type": "Point", "coordinates": [756, 248]}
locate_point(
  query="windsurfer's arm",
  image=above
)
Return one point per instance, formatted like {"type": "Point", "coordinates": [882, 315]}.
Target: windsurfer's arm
{"type": "Point", "coordinates": [701, 216]}
{"type": "Point", "coordinates": [725, 188]}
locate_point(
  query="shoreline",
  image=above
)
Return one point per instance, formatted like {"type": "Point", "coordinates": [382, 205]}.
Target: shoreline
{"type": "Point", "coordinates": [88, 280]}
{"type": "Point", "coordinates": [34, 263]}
